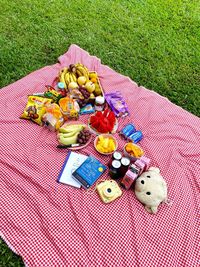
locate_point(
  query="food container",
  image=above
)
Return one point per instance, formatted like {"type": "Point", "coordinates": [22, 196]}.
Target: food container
{"type": "Point", "coordinates": [131, 156]}
{"type": "Point", "coordinates": [102, 137]}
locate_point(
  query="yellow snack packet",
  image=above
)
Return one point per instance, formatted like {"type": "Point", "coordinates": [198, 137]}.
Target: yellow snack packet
{"type": "Point", "coordinates": [35, 109]}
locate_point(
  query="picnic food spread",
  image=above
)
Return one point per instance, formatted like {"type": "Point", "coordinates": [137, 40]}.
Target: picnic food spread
{"type": "Point", "coordinates": [78, 92]}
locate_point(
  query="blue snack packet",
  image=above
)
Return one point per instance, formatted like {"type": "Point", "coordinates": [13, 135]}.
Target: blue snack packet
{"type": "Point", "coordinates": [128, 130]}
{"type": "Point", "coordinates": [87, 109]}
{"type": "Point", "coordinates": [135, 137]}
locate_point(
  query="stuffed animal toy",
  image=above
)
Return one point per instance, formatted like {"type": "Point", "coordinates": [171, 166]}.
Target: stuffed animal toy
{"type": "Point", "coordinates": [151, 189]}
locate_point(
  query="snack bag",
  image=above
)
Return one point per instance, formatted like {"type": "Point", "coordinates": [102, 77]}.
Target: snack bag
{"type": "Point", "coordinates": [76, 94]}
{"type": "Point", "coordinates": [69, 108]}
{"type": "Point", "coordinates": [35, 109]}
{"type": "Point", "coordinates": [53, 117]}
{"type": "Point", "coordinates": [52, 94]}
{"type": "Point", "coordinates": [117, 104]}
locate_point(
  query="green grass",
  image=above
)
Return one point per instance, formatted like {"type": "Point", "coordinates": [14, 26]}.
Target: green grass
{"type": "Point", "coordinates": [155, 42]}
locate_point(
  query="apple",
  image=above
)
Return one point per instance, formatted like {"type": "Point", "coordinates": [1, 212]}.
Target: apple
{"type": "Point", "coordinates": [82, 80]}
{"type": "Point", "coordinates": [90, 86]}
{"type": "Point", "coordinates": [72, 85]}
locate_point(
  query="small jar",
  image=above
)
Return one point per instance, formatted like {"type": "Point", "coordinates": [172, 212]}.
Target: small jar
{"type": "Point", "coordinates": [125, 162]}
{"type": "Point", "coordinates": [114, 171]}
{"type": "Point", "coordinates": [99, 103]}
{"type": "Point", "coordinates": [115, 156]}
{"type": "Point", "coordinates": [61, 88]}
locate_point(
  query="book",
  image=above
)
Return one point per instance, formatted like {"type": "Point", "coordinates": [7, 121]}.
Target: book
{"type": "Point", "coordinates": [88, 172]}
{"type": "Point", "coordinates": [71, 163]}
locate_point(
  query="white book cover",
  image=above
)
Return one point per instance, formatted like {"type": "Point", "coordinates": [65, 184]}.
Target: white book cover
{"type": "Point", "coordinates": [72, 162]}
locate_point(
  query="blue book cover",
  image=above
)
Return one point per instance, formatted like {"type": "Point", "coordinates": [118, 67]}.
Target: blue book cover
{"type": "Point", "coordinates": [89, 171]}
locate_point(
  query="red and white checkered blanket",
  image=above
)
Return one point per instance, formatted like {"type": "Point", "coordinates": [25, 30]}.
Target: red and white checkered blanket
{"type": "Point", "coordinates": [51, 224]}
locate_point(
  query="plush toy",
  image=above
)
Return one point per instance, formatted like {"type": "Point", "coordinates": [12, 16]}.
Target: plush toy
{"type": "Point", "coordinates": [151, 189]}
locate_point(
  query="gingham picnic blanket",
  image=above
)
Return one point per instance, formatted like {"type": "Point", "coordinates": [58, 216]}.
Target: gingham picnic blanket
{"type": "Point", "coordinates": [51, 224]}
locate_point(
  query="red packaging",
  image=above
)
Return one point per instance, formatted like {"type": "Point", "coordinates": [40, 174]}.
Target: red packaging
{"type": "Point", "coordinates": [128, 179]}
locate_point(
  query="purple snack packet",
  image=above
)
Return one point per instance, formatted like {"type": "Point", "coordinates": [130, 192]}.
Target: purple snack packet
{"type": "Point", "coordinates": [117, 104]}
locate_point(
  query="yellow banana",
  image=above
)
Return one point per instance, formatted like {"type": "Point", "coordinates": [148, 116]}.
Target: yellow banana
{"type": "Point", "coordinates": [67, 78]}
{"type": "Point", "coordinates": [83, 71]}
{"type": "Point", "coordinates": [70, 77]}
{"type": "Point", "coordinates": [71, 128]}
{"type": "Point", "coordinates": [62, 79]}
{"type": "Point", "coordinates": [74, 77]}
{"type": "Point", "coordinates": [79, 65]}
{"type": "Point", "coordinates": [64, 70]}
{"type": "Point", "coordinates": [79, 73]}
{"type": "Point", "coordinates": [68, 140]}
{"type": "Point", "coordinates": [66, 135]}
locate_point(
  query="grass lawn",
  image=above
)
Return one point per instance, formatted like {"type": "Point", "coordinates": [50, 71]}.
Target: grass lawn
{"type": "Point", "coordinates": [154, 42]}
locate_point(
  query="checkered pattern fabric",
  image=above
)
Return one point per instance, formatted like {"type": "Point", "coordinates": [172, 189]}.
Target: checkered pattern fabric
{"type": "Point", "coordinates": [51, 224]}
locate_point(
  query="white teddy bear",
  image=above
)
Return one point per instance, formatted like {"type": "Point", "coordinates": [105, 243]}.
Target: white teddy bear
{"type": "Point", "coordinates": [151, 189]}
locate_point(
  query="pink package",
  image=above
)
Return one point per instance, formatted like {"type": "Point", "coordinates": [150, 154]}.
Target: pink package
{"type": "Point", "coordinates": [140, 164]}
{"type": "Point", "coordinates": [128, 179]}
{"type": "Point", "coordinates": [146, 161]}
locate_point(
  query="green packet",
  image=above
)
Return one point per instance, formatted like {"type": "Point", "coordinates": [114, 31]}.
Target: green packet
{"type": "Point", "coordinates": [52, 94]}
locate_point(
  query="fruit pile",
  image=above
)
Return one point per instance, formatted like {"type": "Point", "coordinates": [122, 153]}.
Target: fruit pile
{"type": "Point", "coordinates": [83, 136]}
{"type": "Point", "coordinates": [105, 144]}
{"type": "Point", "coordinates": [103, 121]}
{"type": "Point", "coordinates": [71, 74]}
{"type": "Point", "coordinates": [86, 95]}
{"type": "Point", "coordinates": [70, 134]}
{"type": "Point", "coordinates": [134, 150]}
{"type": "Point", "coordinates": [80, 83]}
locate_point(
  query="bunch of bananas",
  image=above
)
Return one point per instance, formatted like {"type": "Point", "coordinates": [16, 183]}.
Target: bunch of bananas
{"type": "Point", "coordinates": [66, 76]}
{"type": "Point", "coordinates": [71, 74]}
{"type": "Point", "coordinates": [68, 134]}
{"type": "Point", "coordinates": [81, 70]}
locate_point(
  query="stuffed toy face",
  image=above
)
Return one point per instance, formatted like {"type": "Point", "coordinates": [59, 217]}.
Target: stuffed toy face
{"type": "Point", "coordinates": [151, 189]}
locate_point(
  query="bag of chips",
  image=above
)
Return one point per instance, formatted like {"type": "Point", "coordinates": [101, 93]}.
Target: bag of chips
{"type": "Point", "coordinates": [35, 109]}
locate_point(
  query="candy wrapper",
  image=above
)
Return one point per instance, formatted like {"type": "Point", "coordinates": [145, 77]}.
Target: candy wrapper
{"type": "Point", "coordinates": [35, 109]}
{"type": "Point", "coordinates": [117, 104]}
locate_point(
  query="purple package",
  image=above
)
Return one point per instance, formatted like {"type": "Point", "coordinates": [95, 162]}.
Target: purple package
{"type": "Point", "coordinates": [117, 104]}
{"type": "Point", "coordinates": [146, 161]}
